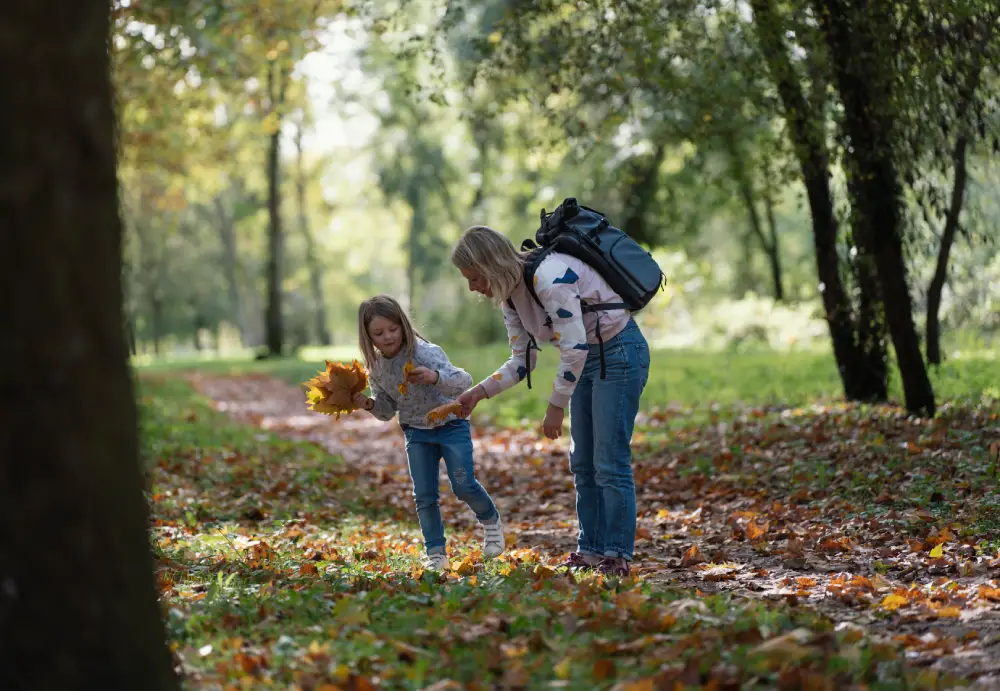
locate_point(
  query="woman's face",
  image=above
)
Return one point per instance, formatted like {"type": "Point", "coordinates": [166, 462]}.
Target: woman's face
{"type": "Point", "coordinates": [477, 282]}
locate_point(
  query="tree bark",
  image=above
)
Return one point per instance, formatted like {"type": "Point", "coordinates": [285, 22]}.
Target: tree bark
{"type": "Point", "coordinates": [224, 221]}
{"type": "Point", "coordinates": [78, 607]}
{"type": "Point", "coordinates": [313, 264]}
{"type": "Point", "coordinates": [809, 141]}
{"type": "Point", "coordinates": [773, 249]}
{"type": "Point", "coordinates": [875, 188]}
{"type": "Point", "coordinates": [641, 194]}
{"type": "Point", "coordinates": [947, 240]}
{"type": "Point", "coordinates": [274, 326]}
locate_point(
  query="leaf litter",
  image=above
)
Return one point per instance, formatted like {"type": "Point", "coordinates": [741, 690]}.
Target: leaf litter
{"type": "Point", "coordinates": [886, 527]}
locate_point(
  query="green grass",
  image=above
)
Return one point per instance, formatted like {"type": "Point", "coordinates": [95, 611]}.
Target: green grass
{"type": "Point", "coordinates": [688, 379]}
{"type": "Point", "coordinates": [277, 569]}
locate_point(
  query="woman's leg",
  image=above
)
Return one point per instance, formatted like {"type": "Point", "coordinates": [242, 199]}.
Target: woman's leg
{"type": "Point", "coordinates": [424, 457]}
{"type": "Point", "coordinates": [615, 406]}
{"type": "Point", "coordinates": [589, 511]}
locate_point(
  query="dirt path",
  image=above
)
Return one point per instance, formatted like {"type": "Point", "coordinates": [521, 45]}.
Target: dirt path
{"type": "Point", "coordinates": [724, 534]}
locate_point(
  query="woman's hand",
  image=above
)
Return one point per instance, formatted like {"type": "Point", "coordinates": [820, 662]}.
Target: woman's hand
{"type": "Point", "coordinates": [362, 401]}
{"type": "Point", "coordinates": [553, 423]}
{"type": "Point", "coordinates": [422, 375]}
{"type": "Point", "coordinates": [470, 399]}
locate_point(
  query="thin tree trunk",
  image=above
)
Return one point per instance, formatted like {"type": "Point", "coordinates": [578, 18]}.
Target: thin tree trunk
{"type": "Point", "coordinates": [274, 327]}
{"type": "Point", "coordinates": [809, 141]}
{"type": "Point", "coordinates": [773, 248]}
{"type": "Point", "coordinates": [230, 259]}
{"type": "Point", "coordinates": [947, 240]}
{"type": "Point", "coordinates": [770, 250]}
{"type": "Point", "coordinates": [313, 264]}
{"type": "Point", "coordinates": [78, 606]}
{"type": "Point", "coordinates": [876, 194]}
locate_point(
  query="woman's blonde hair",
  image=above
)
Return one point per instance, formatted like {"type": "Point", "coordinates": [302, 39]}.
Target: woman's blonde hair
{"type": "Point", "coordinates": [384, 306]}
{"type": "Point", "coordinates": [485, 251]}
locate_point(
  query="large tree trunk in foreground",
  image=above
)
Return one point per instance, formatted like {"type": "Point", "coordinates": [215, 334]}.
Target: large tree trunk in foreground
{"type": "Point", "coordinates": [852, 35]}
{"type": "Point", "coordinates": [859, 373]}
{"type": "Point", "coordinates": [78, 603]}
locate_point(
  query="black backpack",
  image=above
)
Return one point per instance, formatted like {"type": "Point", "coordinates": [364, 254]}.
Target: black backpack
{"type": "Point", "coordinates": [586, 234]}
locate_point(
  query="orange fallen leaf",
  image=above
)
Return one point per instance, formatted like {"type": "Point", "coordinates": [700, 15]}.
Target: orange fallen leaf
{"type": "Point", "coordinates": [441, 413]}
{"type": "Point", "coordinates": [756, 531]}
{"type": "Point", "coordinates": [692, 556]}
{"type": "Point", "coordinates": [331, 392]}
{"type": "Point", "coordinates": [949, 612]}
{"type": "Point", "coordinates": [604, 669]}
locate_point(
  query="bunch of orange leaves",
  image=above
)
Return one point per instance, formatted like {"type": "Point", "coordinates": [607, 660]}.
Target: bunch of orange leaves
{"type": "Point", "coordinates": [332, 392]}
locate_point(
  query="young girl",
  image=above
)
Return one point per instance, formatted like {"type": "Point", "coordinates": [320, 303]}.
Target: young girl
{"type": "Point", "coordinates": [410, 376]}
{"type": "Point", "coordinates": [603, 398]}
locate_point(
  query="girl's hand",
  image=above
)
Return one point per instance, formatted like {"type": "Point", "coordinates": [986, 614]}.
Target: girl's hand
{"type": "Point", "coordinates": [553, 423]}
{"type": "Point", "coordinates": [362, 401]}
{"type": "Point", "coordinates": [422, 375]}
{"type": "Point", "coordinates": [470, 399]}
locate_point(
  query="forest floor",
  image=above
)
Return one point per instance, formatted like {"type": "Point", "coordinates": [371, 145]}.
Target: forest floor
{"type": "Point", "coordinates": [821, 547]}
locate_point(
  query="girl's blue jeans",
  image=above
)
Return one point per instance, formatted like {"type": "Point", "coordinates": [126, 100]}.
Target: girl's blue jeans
{"type": "Point", "coordinates": [424, 450]}
{"type": "Point", "coordinates": [602, 416]}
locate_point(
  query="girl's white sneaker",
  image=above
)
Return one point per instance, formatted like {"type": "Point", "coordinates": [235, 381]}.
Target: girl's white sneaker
{"type": "Point", "coordinates": [493, 543]}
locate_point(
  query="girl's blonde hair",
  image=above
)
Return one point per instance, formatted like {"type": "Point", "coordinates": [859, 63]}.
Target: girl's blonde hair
{"type": "Point", "coordinates": [487, 252]}
{"type": "Point", "coordinates": [384, 306]}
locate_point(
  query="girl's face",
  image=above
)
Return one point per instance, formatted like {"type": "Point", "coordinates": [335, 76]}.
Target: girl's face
{"type": "Point", "coordinates": [477, 282]}
{"type": "Point", "coordinates": [386, 335]}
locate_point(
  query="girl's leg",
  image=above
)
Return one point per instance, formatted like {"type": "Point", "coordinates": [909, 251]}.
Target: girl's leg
{"type": "Point", "coordinates": [615, 406]}
{"type": "Point", "coordinates": [424, 456]}
{"type": "Point", "coordinates": [589, 503]}
{"type": "Point", "coordinates": [456, 446]}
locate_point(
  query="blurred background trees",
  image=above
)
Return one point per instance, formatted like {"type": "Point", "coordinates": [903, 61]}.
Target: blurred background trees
{"type": "Point", "coordinates": [810, 174]}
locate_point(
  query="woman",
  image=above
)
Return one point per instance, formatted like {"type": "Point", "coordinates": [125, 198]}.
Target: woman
{"type": "Point", "coordinates": [603, 406]}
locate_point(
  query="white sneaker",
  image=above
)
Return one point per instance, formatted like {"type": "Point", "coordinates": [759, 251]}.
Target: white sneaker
{"type": "Point", "coordinates": [436, 561]}
{"type": "Point", "coordinates": [493, 544]}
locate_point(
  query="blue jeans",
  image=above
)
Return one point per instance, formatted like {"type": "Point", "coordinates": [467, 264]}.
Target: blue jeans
{"type": "Point", "coordinates": [424, 450]}
{"type": "Point", "coordinates": [602, 416]}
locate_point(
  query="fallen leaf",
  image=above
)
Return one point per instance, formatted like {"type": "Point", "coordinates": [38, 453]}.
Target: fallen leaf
{"type": "Point", "coordinates": [604, 669]}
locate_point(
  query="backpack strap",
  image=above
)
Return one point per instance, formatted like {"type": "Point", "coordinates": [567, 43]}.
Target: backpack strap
{"type": "Point", "coordinates": [532, 345]}
{"type": "Point", "coordinates": [597, 309]}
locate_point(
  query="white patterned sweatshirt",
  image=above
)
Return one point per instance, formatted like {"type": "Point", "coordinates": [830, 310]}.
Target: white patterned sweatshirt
{"type": "Point", "coordinates": [387, 374]}
{"type": "Point", "coordinates": [561, 283]}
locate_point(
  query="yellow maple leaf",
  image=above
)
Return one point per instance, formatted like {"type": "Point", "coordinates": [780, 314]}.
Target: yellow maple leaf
{"type": "Point", "coordinates": [332, 392]}
{"type": "Point", "coordinates": [938, 551]}
{"type": "Point", "coordinates": [564, 668]}
{"type": "Point", "coordinates": [404, 385]}
{"type": "Point", "coordinates": [893, 601]}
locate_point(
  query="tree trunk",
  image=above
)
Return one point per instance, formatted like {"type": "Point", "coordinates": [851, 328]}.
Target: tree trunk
{"type": "Point", "coordinates": [641, 194]}
{"type": "Point", "coordinates": [875, 190]}
{"type": "Point", "coordinates": [770, 248]}
{"type": "Point", "coordinates": [806, 130]}
{"type": "Point", "coordinates": [156, 321]}
{"type": "Point", "coordinates": [275, 240]}
{"type": "Point", "coordinates": [78, 606]}
{"type": "Point", "coordinates": [418, 224]}
{"type": "Point", "coordinates": [947, 240]}
{"type": "Point", "coordinates": [773, 248]}
{"type": "Point", "coordinates": [224, 221]}
{"type": "Point", "coordinates": [313, 264]}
